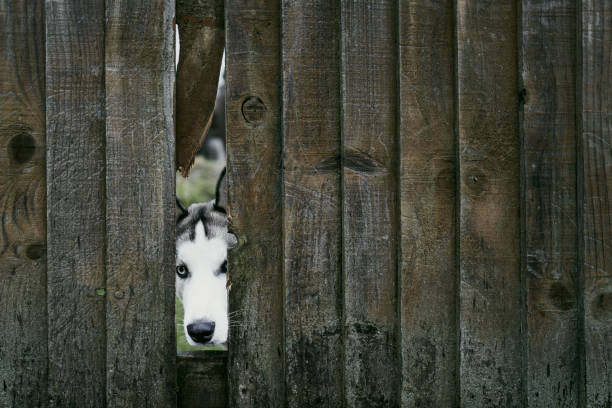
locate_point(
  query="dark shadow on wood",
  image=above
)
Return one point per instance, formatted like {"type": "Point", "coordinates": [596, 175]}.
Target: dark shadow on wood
{"type": "Point", "coordinates": [202, 379]}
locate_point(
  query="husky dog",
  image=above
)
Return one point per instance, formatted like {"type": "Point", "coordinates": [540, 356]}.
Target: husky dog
{"type": "Point", "coordinates": [202, 242]}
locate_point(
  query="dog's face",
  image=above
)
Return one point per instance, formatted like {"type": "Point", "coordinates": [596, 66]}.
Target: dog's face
{"type": "Point", "coordinates": [201, 268]}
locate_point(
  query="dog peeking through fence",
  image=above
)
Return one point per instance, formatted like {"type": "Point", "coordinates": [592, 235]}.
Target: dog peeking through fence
{"type": "Point", "coordinates": [202, 242]}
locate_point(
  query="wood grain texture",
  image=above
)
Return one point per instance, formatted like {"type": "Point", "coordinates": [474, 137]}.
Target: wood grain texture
{"type": "Point", "coordinates": [202, 39]}
{"type": "Point", "coordinates": [427, 166]}
{"type": "Point", "coordinates": [490, 285]}
{"type": "Point", "coordinates": [548, 60]}
{"type": "Point", "coordinates": [23, 315]}
{"type": "Point", "coordinates": [75, 190]}
{"type": "Point", "coordinates": [311, 203]}
{"type": "Point", "coordinates": [596, 142]}
{"type": "Point", "coordinates": [140, 194]}
{"type": "Point", "coordinates": [370, 203]}
{"type": "Point", "coordinates": [256, 356]}
{"type": "Point", "coordinates": [202, 379]}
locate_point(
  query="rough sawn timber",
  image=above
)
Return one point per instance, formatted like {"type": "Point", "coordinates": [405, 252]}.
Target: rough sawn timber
{"type": "Point", "coordinates": [256, 356]}
{"type": "Point", "coordinates": [76, 232]}
{"type": "Point", "coordinates": [490, 291]}
{"type": "Point", "coordinates": [23, 260]}
{"type": "Point", "coordinates": [140, 204]}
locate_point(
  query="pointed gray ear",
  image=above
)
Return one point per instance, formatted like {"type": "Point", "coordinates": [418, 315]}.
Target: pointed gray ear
{"type": "Point", "coordinates": [221, 193]}
{"type": "Point", "coordinates": [181, 211]}
{"type": "Point", "coordinates": [231, 240]}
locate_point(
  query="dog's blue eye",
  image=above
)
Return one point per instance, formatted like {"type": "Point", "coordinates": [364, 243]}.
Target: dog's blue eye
{"type": "Point", "coordinates": [223, 268]}
{"type": "Point", "coordinates": [182, 271]}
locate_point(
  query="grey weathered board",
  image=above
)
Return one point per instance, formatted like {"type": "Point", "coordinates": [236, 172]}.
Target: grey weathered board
{"type": "Point", "coordinates": [489, 305]}
{"type": "Point", "coordinates": [548, 125]}
{"type": "Point", "coordinates": [428, 275]}
{"type": "Point", "coordinates": [312, 208]}
{"type": "Point", "coordinates": [76, 230]}
{"type": "Point", "coordinates": [23, 305]}
{"type": "Point", "coordinates": [140, 297]}
{"type": "Point", "coordinates": [595, 79]}
{"type": "Point", "coordinates": [370, 218]}
{"type": "Point", "coordinates": [254, 191]}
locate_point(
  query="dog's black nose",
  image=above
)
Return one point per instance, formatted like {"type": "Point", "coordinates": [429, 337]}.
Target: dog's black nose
{"type": "Point", "coordinates": [201, 331]}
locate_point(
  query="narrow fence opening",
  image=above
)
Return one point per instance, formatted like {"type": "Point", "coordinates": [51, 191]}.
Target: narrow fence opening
{"type": "Point", "coordinates": [197, 320]}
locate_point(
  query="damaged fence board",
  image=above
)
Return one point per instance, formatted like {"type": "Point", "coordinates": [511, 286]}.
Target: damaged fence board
{"type": "Point", "coordinates": [202, 39]}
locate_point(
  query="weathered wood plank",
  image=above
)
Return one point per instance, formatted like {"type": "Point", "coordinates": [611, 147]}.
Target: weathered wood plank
{"type": "Point", "coordinates": [312, 203]}
{"type": "Point", "coordinates": [490, 284]}
{"type": "Point", "coordinates": [202, 379]}
{"type": "Point", "coordinates": [548, 60]}
{"type": "Point", "coordinates": [427, 163]}
{"type": "Point", "coordinates": [75, 192]}
{"type": "Point", "coordinates": [23, 322]}
{"type": "Point", "coordinates": [141, 347]}
{"type": "Point", "coordinates": [202, 38]}
{"type": "Point", "coordinates": [370, 203]}
{"type": "Point", "coordinates": [596, 142]}
{"type": "Point", "coordinates": [256, 356]}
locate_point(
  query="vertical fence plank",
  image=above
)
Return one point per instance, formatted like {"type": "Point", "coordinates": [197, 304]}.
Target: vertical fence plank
{"type": "Point", "coordinates": [369, 191]}
{"type": "Point", "coordinates": [596, 118]}
{"type": "Point", "coordinates": [75, 217]}
{"type": "Point", "coordinates": [23, 322]}
{"type": "Point", "coordinates": [490, 287]}
{"type": "Point", "coordinates": [427, 142]}
{"type": "Point", "coordinates": [548, 60]}
{"type": "Point", "coordinates": [140, 203]}
{"type": "Point", "coordinates": [256, 377]}
{"type": "Point", "coordinates": [202, 379]}
{"type": "Point", "coordinates": [312, 206]}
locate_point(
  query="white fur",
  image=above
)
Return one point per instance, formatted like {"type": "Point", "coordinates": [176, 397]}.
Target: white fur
{"type": "Point", "coordinates": [204, 292]}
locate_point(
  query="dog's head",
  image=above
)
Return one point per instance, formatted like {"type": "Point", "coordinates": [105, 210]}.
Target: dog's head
{"type": "Point", "coordinates": [201, 266]}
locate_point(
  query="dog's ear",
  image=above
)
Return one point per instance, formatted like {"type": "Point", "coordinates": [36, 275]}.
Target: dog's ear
{"type": "Point", "coordinates": [181, 211]}
{"type": "Point", "coordinates": [221, 205]}
{"type": "Point", "coordinates": [221, 193]}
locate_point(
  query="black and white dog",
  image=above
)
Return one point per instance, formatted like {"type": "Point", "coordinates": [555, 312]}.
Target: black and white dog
{"type": "Point", "coordinates": [202, 242]}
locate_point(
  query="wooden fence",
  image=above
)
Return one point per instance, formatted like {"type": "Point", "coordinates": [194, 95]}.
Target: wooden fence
{"type": "Point", "coordinates": [423, 196]}
{"type": "Point", "coordinates": [87, 190]}
{"type": "Point", "coordinates": [422, 193]}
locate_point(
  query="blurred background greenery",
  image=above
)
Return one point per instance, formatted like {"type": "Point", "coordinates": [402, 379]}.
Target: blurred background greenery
{"type": "Point", "coordinates": [201, 183]}
{"type": "Point", "coordinates": [198, 187]}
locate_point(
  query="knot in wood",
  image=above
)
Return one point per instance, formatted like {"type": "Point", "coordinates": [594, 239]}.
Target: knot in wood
{"type": "Point", "coordinates": [21, 147]}
{"type": "Point", "coordinates": [561, 297]}
{"type": "Point", "coordinates": [601, 307]}
{"type": "Point", "coordinates": [35, 251]}
{"type": "Point", "coordinates": [253, 110]}
{"type": "Point", "coordinates": [476, 182]}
